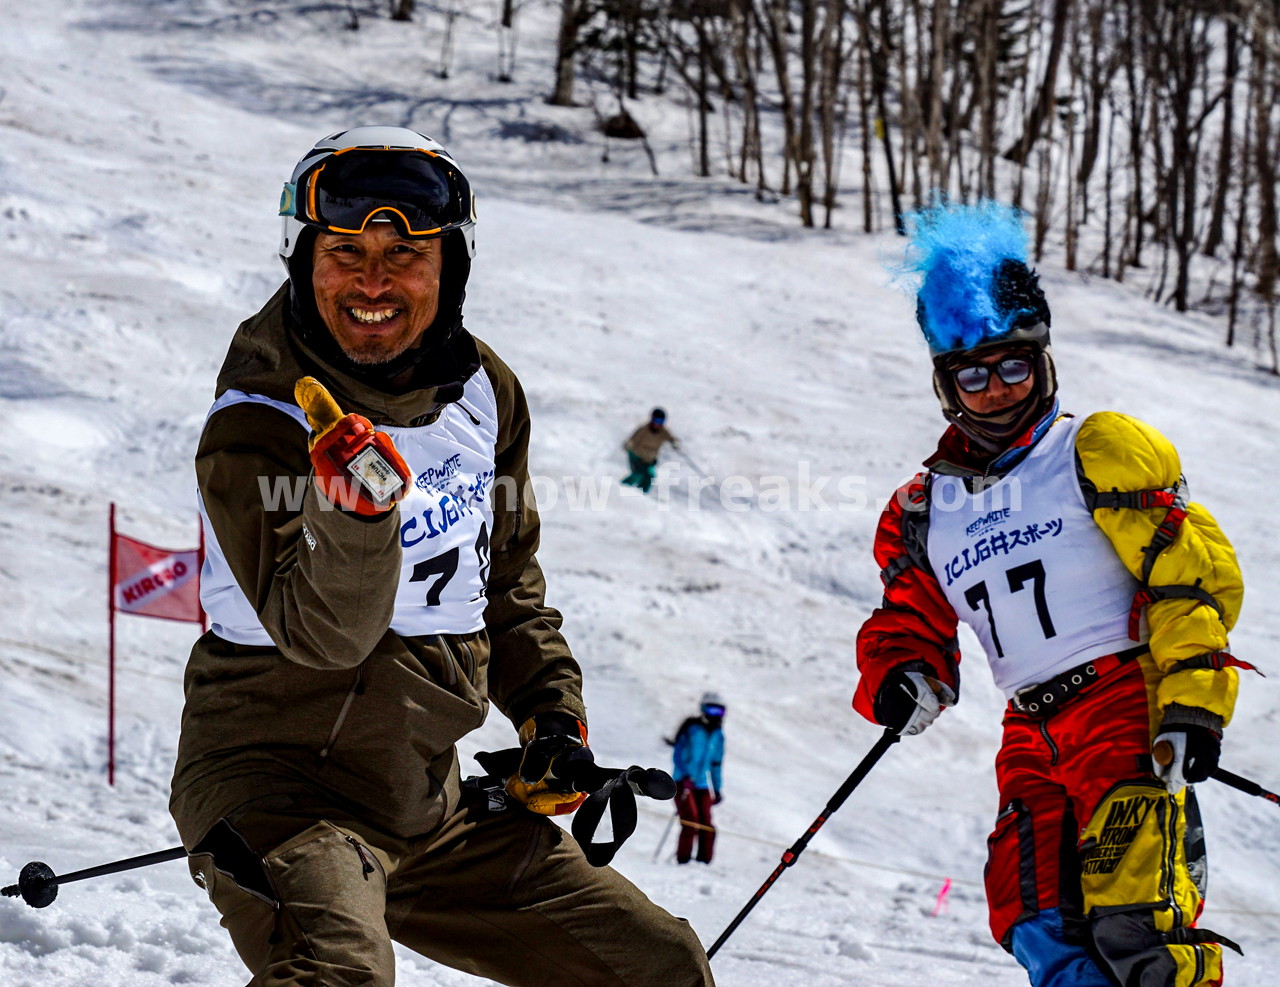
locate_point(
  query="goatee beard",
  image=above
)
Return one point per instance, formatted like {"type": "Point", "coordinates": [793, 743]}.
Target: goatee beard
{"type": "Point", "coordinates": [372, 354]}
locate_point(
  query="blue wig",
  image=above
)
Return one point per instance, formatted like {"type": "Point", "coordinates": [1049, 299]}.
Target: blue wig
{"type": "Point", "coordinates": [966, 258]}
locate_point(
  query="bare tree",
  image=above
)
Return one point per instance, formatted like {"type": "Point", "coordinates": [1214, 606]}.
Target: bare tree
{"type": "Point", "coordinates": [574, 14]}
{"type": "Point", "coordinates": [1041, 109]}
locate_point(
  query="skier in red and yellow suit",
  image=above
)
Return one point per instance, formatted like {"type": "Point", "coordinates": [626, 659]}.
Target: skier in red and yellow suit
{"type": "Point", "coordinates": [1103, 599]}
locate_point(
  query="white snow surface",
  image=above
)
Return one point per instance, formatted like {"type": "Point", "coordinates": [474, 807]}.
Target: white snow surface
{"type": "Point", "coordinates": [143, 144]}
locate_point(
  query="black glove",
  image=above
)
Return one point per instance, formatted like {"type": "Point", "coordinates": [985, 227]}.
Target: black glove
{"type": "Point", "coordinates": [1185, 753]}
{"type": "Point", "coordinates": [908, 701]}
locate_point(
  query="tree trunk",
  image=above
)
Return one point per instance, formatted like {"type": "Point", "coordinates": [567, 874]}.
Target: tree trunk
{"type": "Point", "coordinates": [803, 153]}
{"type": "Point", "coordinates": [987, 68]}
{"type": "Point", "coordinates": [831, 108]}
{"type": "Point", "coordinates": [1213, 236]}
{"type": "Point", "coordinates": [774, 24]}
{"type": "Point", "coordinates": [704, 104]}
{"type": "Point", "coordinates": [866, 132]}
{"type": "Point", "coordinates": [1043, 106]}
{"type": "Point", "coordinates": [573, 15]}
{"type": "Point", "coordinates": [1265, 265]}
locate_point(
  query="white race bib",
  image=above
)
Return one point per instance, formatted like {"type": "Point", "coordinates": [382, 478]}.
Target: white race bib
{"type": "Point", "coordinates": [445, 521]}
{"type": "Point", "coordinates": [1024, 564]}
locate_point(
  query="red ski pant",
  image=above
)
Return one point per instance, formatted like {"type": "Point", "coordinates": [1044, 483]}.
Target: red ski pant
{"type": "Point", "coordinates": [1085, 828]}
{"type": "Point", "coordinates": [694, 806]}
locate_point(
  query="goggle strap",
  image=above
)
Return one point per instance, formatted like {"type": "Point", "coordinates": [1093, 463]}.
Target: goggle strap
{"type": "Point", "coordinates": [289, 200]}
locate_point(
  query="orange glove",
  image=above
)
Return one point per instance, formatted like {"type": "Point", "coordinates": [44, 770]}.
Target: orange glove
{"type": "Point", "coordinates": [551, 741]}
{"type": "Point", "coordinates": [357, 468]}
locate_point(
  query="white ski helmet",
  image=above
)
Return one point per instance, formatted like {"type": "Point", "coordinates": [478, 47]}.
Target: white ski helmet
{"type": "Point", "coordinates": [343, 183]}
{"type": "Point", "coordinates": [712, 700]}
{"type": "Point", "coordinates": [378, 174]}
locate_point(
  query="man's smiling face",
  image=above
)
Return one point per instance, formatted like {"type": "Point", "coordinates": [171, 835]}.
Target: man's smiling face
{"type": "Point", "coordinates": [376, 291]}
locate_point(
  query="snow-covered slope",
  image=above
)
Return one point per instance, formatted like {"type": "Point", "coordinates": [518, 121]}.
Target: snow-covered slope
{"type": "Point", "coordinates": [142, 148]}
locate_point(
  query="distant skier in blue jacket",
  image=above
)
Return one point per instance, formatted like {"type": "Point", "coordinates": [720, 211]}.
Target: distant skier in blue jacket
{"type": "Point", "coordinates": [698, 754]}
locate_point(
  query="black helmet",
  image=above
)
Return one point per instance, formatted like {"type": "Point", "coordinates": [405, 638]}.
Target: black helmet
{"type": "Point", "coordinates": [658, 415]}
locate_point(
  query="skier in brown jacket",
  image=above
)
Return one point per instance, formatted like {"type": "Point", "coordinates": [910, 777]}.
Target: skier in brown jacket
{"type": "Point", "coordinates": [360, 627]}
{"type": "Point", "coordinates": [642, 449]}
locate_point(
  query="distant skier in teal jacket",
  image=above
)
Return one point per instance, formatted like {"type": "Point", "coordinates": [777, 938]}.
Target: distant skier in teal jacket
{"type": "Point", "coordinates": [698, 755]}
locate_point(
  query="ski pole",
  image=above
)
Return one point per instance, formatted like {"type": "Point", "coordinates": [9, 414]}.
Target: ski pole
{"type": "Point", "coordinates": [38, 884]}
{"type": "Point", "coordinates": [887, 740]}
{"type": "Point", "coordinates": [688, 459]}
{"type": "Point", "coordinates": [665, 833]}
{"type": "Point", "coordinates": [1244, 785]}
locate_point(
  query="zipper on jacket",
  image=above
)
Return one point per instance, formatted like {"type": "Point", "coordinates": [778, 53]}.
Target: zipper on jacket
{"type": "Point", "coordinates": [1053, 748]}
{"type": "Point", "coordinates": [1168, 823]}
{"type": "Point", "coordinates": [516, 524]}
{"type": "Point", "coordinates": [357, 689]}
{"type": "Point", "coordinates": [470, 414]}
{"type": "Point", "coordinates": [366, 865]}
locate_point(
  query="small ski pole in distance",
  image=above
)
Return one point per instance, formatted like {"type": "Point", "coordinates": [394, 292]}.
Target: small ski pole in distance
{"type": "Point", "coordinates": [887, 740]}
{"type": "Point", "coordinates": [689, 459]}
{"type": "Point", "coordinates": [665, 833]}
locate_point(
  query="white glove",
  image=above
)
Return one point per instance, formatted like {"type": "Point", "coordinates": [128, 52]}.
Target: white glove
{"type": "Point", "coordinates": [913, 700]}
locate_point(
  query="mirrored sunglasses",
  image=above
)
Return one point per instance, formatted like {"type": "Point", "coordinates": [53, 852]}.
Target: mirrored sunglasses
{"type": "Point", "coordinates": [713, 711]}
{"type": "Point", "coordinates": [422, 194]}
{"type": "Point", "coordinates": [976, 377]}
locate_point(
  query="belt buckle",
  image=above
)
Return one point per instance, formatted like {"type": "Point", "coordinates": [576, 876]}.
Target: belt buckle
{"type": "Point", "coordinates": [1026, 701]}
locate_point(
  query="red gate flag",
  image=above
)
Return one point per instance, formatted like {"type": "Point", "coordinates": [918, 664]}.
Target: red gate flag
{"type": "Point", "coordinates": [150, 582]}
{"type": "Point", "coordinates": [155, 582]}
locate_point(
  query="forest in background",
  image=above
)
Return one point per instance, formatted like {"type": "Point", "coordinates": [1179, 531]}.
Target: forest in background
{"type": "Point", "coordinates": [1139, 136]}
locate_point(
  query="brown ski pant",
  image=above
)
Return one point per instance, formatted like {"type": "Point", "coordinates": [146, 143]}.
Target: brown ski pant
{"type": "Point", "coordinates": [507, 896]}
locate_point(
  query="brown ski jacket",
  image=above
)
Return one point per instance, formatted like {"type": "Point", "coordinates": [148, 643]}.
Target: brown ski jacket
{"type": "Point", "coordinates": [646, 442]}
{"type": "Point", "coordinates": [339, 707]}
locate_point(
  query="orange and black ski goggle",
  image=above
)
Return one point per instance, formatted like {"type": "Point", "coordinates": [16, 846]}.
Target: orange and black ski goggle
{"type": "Point", "coordinates": [420, 192]}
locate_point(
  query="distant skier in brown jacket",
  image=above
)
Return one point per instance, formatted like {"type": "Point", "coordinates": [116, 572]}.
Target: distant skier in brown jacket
{"type": "Point", "coordinates": [643, 447]}
{"type": "Point", "coordinates": [360, 627]}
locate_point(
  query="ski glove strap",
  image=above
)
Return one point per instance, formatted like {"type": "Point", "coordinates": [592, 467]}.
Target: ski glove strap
{"type": "Point", "coordinates": [592, 784]}
{"type": "Point", "coordinates": [619, 795]}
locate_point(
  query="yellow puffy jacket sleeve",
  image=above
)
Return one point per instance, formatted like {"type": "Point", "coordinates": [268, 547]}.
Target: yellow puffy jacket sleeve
{"type": "Point", "coordinates": [1119, 453]}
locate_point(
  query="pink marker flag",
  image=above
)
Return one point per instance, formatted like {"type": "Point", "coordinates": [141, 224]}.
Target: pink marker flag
{"type": "Point", "coordinates": [155, 582]}
{"type": "Point", "coordinates": [149, 582]}
{"type": "Point", "coordinates": [941, 905]}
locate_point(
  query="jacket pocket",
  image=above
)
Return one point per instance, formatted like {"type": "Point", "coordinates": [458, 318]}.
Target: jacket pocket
{"type": "Point", "coordinates": [1010, 875]}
